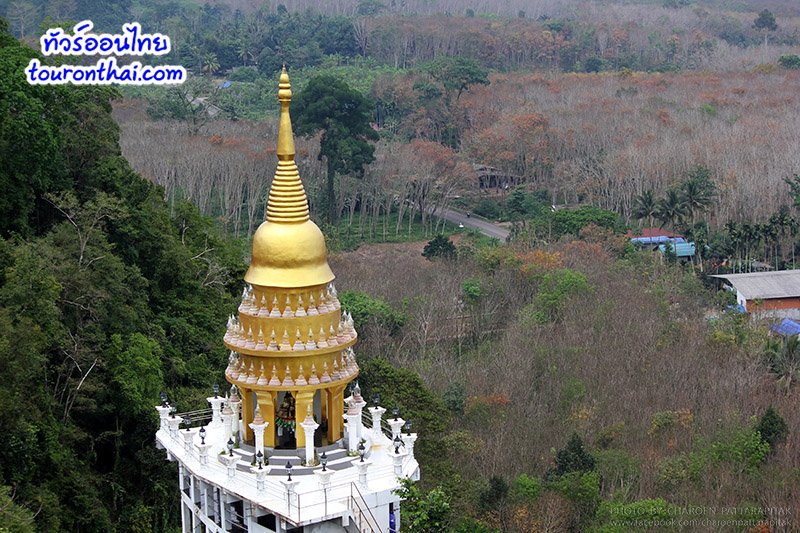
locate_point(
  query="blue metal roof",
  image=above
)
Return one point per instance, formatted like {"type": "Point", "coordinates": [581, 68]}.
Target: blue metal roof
{"type": "Point", "coordinates": [681, 249]}
{"type": "Point", "coordinates": [786, 327]}
{"type": "Point", "coordinates": [656, 240]}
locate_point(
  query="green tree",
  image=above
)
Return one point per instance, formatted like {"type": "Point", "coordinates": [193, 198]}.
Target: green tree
{"type": "Point", "coordinates": [644, 207]}
{"type": "Point", "coordinates": [567, 221]}
{"type": "Point", "coordinates": [439, 246]}
{"type": "Point", "coordinates": [765, 22]}
{"type": "Point", "coordinates": [424, 513]}
{"type": "Point", "coordinates": [772, 427]}
{"type": "Point", "coordinates": [556, 288]}
{"type": "Point", "coordinates": [210, 64]}
{"type": "Point", "coordinates": [188, 102]}
{"type": "Point", "coordinates": [343, 115]}
{"type": "Point", "coordinates": [30, 117]}
{"type": "Point", "coordinates": [671, 209]}
{"type": "Point", "coordinates": [789, 61]}
{"type": "Point", "coordinates": [14, 517]}
{"type": "Point", "coordinates": [516, 202]}
{"type": "Point", "coordinates": [572, 458]}
{"type": "Point", "coordinates": [783, 360]}
{"type": "Point", "coordinates": [135, 363]}
{"type": "Point", "coordinates": [364, 309]}
{"type": "Point", "coordinates": [698, 191]}
{"type": "Point", "coordinates": [593, 64]}
{"type": "Point", "coordinates": [494, 496]}
{"type": "Point", "coordinates": [456, 74]}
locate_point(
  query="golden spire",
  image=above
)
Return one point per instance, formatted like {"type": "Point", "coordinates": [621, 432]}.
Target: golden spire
{"type": "Point", "coordinates": [288, 248]}
{"type": "Point", "coordinates": [287, 197]}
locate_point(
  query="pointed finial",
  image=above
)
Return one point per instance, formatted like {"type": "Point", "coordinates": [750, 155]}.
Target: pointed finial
{"type": "Point", "coordinates": [287, 197]}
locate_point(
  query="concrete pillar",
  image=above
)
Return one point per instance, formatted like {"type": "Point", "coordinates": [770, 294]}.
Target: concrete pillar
{"type": "Point", "coordinates": [353, 423]}
{"type": "Point", "coordinates": [174, 423]}
{"type": "Point", "coordinates": [377, 415]}
{"type": "Point", "coordinates": [397, 460]}
{"type": "Point", "coordinates": [258, 426]}
{"type": "Point", "coordinates": [188, 439]}
{"type": "Point", "coordinates": [325, 483]}
{"type": "Point", "coordinates": [290, 491]}
{"type": "Point", "coordinates": [261, 477]}
{"type": "Point", "coordinates": [362, 467]}
{"type": "Point", "coordinates": [181, 485]}
{"type": "Point", "coordinates": [397, 426]}
{"type": "Point", "coordinates": [409, 441]}
{"type": "Point", "coordinates": [235, 404]}
{"type": "Point", "coordinates": [202, 450]}
{"type": "Point", "coordinates": [230, 461]}
{"type": "Point", "coordinates": [303, 401]}
{"type": "Point", "coordinates": [163, 414]}
{"type": "Point", "coordinates": [227, 422]}
{"type": "Point", "coordinates": [309, 427]}
{"type": "Point", "coordinates": [216, 409]}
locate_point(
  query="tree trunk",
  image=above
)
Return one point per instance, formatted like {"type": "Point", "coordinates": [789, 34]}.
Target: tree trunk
{"type": "Point", "coordinates": [330, 193]}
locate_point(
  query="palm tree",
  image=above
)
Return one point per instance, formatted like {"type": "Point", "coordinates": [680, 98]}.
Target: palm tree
{"type": "Point", "coordinates": [210, 63]}
{"type": "Point", "coordinates": [751, 238]}
{"type": "Point", "coordinates": [783, 360]}
{"type": "Point", "coordinates": [793, 226]}
{"type": "Point", "coordinates": [698, 192]}
{"type": "Point", "coordinates": [644, 206]}
{"type": "Point", "coordinates": [244, 53]}
{"type": "Point", "coordinates": [698, 233]}
{"type": "Point", "coordinates": [735, 235]}
{"type": "Point", "coordinates": [769, 232]}
{"type": "Point", "coordinates": [671, 209]}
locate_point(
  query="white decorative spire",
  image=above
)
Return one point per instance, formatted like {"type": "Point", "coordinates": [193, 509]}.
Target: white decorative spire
{"type": "Point", "coordinates": [301, 311]}
{"type": "Point", "coordinates": [301, 378]}
{"type": "Point", "coordinates": [287, 378]}
{"type": "Point", "coordinates": [298, 345]}
{"type": "Point", "coordinates": [275, 312]}
{"type": "Point", "coordinates": [287, 311]}
{"type": "Point", "coordinates": [310, 344]}
{"type": "Point", "coordinates": [274, 381]}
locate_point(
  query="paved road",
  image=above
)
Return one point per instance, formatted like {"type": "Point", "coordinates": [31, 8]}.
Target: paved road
{"type": "Point", "coordinates": [487, 228]}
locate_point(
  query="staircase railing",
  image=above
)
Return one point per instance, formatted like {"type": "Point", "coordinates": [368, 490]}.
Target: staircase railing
{"type": "Point", "coordinates": [360, 510]}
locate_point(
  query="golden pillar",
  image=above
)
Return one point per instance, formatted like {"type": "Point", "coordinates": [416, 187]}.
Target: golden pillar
{"type": "Point", "coordinates": [247, 414]}
{"type": "Point", "coordinates": [266, 404]}
{"type": "Point", "coordinates": [335, 413]}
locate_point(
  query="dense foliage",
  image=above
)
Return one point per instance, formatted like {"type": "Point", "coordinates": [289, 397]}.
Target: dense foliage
{"type": "Point", "coordinates": [107, 296]}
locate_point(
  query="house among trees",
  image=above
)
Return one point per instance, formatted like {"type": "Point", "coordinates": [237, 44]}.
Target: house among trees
{"type": "Point", "coordinates": [494, 178]}
{"type": "Point", "coordinates": [652, 237]}
{"type": "Point", "coordinates": [766, 294]}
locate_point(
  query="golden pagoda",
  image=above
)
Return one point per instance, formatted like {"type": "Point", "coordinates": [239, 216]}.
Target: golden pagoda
{"type": "Point", "coordinates": [290, 344]}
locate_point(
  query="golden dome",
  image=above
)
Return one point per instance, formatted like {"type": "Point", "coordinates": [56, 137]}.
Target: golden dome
{"type": "Point", "coordinates": [288, 248]}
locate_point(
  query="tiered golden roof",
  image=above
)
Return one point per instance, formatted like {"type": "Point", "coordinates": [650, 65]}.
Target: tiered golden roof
{"type": "Point", "coordinates": [290, 334]}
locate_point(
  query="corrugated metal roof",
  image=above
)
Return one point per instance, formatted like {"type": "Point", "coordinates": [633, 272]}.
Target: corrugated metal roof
{"type": "Point", "coordinates": [681, 249]}
{"type": "Point", "coordinates": [656, 240]}
{"type": "Point", "coordinates": [651, 232]}
{"type": "Point", "coordinates": [786, 327]}
{"type": "Point", "coordinates": [778, 284]}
